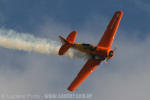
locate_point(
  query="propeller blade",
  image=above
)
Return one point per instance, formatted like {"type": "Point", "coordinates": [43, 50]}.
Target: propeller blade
{"type": "Point", "coordinates": [107, 59]}
{"type": "Point", "coordinates": [115, 48]}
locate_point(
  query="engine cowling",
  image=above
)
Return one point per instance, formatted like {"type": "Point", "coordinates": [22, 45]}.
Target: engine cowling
{"type": "Point", "coordinates": [110, 54]}
{"type": "Point", "coordinates": [105, 52]}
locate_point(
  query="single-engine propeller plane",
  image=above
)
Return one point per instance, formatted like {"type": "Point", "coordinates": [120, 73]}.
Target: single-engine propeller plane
{"type": "Point", "coordinates": [98, 53]}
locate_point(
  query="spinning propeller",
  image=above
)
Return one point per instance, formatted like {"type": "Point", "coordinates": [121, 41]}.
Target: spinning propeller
{"type": "Point", "coordinates": [111, 53]}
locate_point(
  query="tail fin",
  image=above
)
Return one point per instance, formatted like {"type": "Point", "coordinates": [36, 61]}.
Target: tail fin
{"type": "Point", "coordinates": [72, 36]}
{"type": "Point", "coordinates": [66, 43]}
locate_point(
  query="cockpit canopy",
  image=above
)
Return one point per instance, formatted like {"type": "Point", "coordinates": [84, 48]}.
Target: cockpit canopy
{"type": "Point", "coordinates": [89, 46]}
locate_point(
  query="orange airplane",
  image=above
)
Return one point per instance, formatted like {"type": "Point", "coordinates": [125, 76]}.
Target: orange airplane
{"type": "Point", "coordinates": [98, 53]}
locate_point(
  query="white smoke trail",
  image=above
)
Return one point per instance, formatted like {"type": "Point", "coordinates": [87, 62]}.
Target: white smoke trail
{"type": "Point", "coordinates": [22, 41]}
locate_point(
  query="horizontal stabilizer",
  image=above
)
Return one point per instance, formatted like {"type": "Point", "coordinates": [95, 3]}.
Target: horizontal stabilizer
{"type": "Point", "coordinates": [64, 48]}
{"type": "Point", "coordinates": [66, 43]}
{"type": "Point", "coordinates": [63, 41]}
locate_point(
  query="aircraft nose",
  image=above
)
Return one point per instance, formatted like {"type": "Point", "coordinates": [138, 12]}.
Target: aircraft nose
{"type": "Point", "coordinates": [111, 53]}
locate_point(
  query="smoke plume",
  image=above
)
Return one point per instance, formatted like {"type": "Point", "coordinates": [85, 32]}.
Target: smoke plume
{"type": "Point", "coordinates": [22, 41]}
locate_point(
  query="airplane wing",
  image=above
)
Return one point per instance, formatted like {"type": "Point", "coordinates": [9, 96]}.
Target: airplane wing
{"type": "Point", "coordinates": [108, 37]}
{"type": "Point", "coordinates": [87, 69]}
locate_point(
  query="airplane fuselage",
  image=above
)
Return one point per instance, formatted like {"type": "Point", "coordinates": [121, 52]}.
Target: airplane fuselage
{"type": "Point", "coordinates": [93, 50]}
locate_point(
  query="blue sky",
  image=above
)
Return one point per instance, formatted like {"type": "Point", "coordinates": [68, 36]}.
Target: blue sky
{"type": "Point", "coordinates": [26, 15]}
{"type": "Point", "coordinates": [127, 75]}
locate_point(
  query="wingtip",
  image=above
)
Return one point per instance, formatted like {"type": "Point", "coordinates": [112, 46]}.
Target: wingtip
{"type": "Point", "coordinates": [119, 11]}
{"type": "Point", "coordinates": [74, 31]}
{"type": "Point", "coordinates": [70, 89]}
